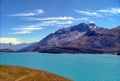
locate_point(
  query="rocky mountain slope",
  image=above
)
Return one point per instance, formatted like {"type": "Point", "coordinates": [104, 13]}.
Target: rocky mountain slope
{"type": "Point", "coordinates": [81, 38]}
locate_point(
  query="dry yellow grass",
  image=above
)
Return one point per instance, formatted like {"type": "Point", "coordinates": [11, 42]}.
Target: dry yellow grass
{"type": "Point", "coordinates": [17, 73]}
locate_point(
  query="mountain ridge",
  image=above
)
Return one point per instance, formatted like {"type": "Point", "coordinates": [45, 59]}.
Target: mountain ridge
{"type": "Point", "coordinates": [14, 47]}
{"type": "Point", "coordinates": [81, 38]}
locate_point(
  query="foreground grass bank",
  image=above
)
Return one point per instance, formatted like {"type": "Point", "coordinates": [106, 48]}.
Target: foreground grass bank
{"type": "Point", "coordinates": [17, 73]}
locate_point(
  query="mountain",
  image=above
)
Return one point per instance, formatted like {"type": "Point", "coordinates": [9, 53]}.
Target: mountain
{"type": "Point", "coordinates": [6, 50]}
{"type": "Point", "coordinates": [14, 47]}
{"type": "Point", "coordinates": [81, 38]}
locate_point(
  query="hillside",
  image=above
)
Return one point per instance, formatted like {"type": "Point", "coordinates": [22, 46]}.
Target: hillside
{"type": "Point", "coordinates": [16, 73]}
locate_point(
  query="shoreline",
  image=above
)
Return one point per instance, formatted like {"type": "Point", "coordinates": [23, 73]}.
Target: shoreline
{"type": "Point", "coordinates": [20, 73]}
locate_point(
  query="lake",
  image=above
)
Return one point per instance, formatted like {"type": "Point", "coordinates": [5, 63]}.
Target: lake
{"type": "Point", "coordinates": [78, 67]}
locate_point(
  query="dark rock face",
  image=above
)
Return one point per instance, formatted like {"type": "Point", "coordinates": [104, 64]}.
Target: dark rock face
{"type": "Point", "coordinates": [6, 50]}
{"type": "Point", "coordinates": [81, 38]}
{"type": "Point", "coordinates": [118, 53]}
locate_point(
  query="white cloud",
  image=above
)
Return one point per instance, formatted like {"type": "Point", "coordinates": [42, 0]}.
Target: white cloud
{"type": "Point", "coordinates": [26, 30]}
{"type": "Point", "coordinates": [9, 40]}
{"type": "Point", "coordinates": [39, 26]}
{"type": "Point", "coordinates": [83, 19]}
{"type": "Point", "coordinates": [100, 13]}
{"type": "Point", "coordinates": [88, 13]}
{"type": "Point", "coordinates": [111, 10]}
{"type": "Point", "coordinates": [56, 20]}
{"type": "Point", "coordinates": [29, 13]}
{"type": "Point", "coordinates": [50, 18]}
{"type": "Point", "coordinates": [104, 11]}
{"type": "Point", "coordinates": [54, 23]}
{"type": "Point", "coordinates": [64, 18]}
{"type": "Point", "coordinates": [91, 21]}
{"type": "Point", "coordinates": [47, 22]}
{"type": "Point", "coordinates": [29, 28]}
{"type": "Point", "coordinates": [22, 32]}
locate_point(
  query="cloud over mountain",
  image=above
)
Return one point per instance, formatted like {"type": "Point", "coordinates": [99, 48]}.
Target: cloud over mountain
{"type": "Point", "coordinates": [88, 13]}
{"type": "Point", "coordinates": [25, 30]}
{"type": "Point", "coordinates": [9, 40]}
{"type": "Point", "coordinates": [99, 12]}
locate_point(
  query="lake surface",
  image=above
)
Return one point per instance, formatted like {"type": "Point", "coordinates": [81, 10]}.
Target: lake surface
{"type": "Point", "coordinates": [78, 67]}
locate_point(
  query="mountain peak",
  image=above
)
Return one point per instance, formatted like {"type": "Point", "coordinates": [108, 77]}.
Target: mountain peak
{"type": "Point", "coordinates": [92, 26]}
{"type": "Point", "coordinates": [82, 27]}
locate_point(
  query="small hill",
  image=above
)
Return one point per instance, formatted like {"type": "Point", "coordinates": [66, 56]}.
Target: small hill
{"type": "Point", "coordinates": [16, 73]}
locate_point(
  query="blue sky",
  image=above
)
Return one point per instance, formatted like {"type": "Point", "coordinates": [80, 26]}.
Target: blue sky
{"type": "Point", "coordinates": [32, 20]}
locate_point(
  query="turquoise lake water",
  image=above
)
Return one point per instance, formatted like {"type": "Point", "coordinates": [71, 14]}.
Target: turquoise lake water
{"type": "Point", "coordinates": [78, 67]}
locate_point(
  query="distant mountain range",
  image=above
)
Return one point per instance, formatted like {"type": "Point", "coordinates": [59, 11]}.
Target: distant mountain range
{"type": "Point", "coordinates": [81, 38]}
{"type": "Point", "coordinates": [13, 47]}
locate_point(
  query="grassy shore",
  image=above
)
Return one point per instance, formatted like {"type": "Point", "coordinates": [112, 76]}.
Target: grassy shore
{"type": "Point", "coordinates": [17, 73]}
